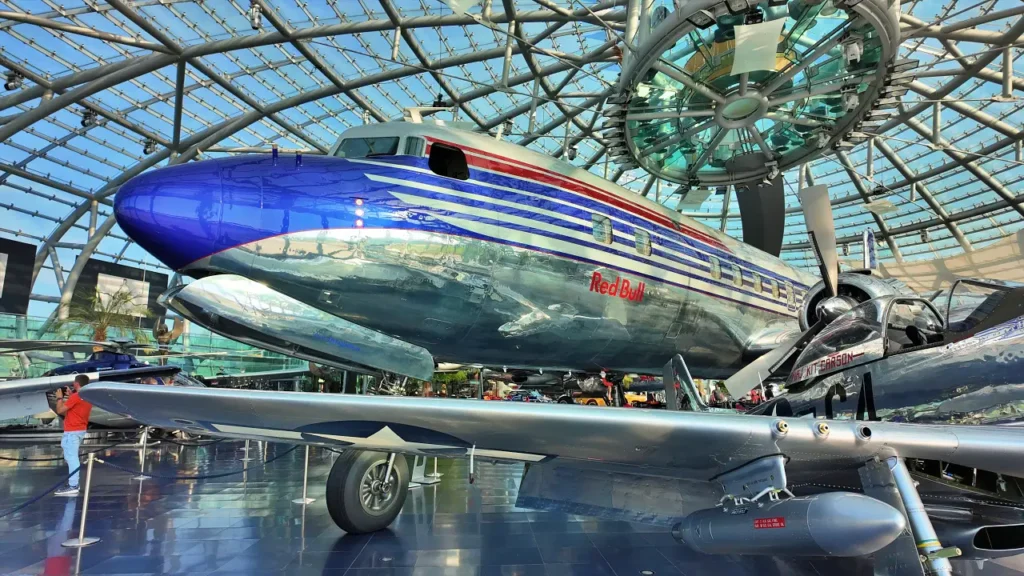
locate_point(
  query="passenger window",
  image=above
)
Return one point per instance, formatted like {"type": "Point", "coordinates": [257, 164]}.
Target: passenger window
{"type": "Point", "coordinates": [757, 283]}
{"type": "Point", "coordinates": [775, 287]}
{"type": "Point", "coordinates": [414, 146]}
{"type": "Point", "coordinates": [737, 276]}
{"type": "Point", "coordinates": [366, 147]}
{"type": "Point", "coordinates": [448, 161]}
{"type": "Point", "coordinates": [643, 242]}
{"type": "Point", "coordinates": [716, 268]}
{"type": "Point", "coordinates": [790, 295]}
{"type": "Point", "coordinates": [602, 228]}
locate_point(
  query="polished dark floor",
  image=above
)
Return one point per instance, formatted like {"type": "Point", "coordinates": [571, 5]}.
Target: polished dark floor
{"type": "Point", "coordinates": [247, 524]}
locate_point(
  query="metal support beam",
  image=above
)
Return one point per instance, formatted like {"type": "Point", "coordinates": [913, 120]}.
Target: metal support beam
{"type": "Point", "coordinates": [866, 197]}
{"type": "Point", "coordinates": [58, 270]}
{"type": "Point", "coordinates": [905, 170]}
{"type": "Point", "coordinates": [725, 207]}
{"type": "Point", "coordinates": [968, 162]}
{"type": "Point", "coordinates": [1008, 72]}
{"type": "Point", "coordinates": [936, 123]}
{"type": "Point", "coordinates": [93, 214]}
{"type": "Point", "coordinates": [179, 100]}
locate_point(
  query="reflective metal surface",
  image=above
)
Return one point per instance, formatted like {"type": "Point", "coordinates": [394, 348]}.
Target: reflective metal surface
{"type": "Point", "coordinates": [505, 268]}
{"type": "Point", "coordinates": [645, 441]}
{"type": "Point", "coordinates": [255, 314]}
{"type": "Point", "coordinates": [234, 526]}
{"type": "Point", "coordinates": [856, 369]}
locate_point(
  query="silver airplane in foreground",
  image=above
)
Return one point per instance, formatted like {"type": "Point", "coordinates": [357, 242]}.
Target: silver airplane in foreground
{"type": "Point", "coordinates": [725, 481]}
{"type": "Point", "coordinates": [416, 243]}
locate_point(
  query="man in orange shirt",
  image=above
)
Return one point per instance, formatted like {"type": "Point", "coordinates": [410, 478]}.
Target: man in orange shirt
{"type": "Point", "coordinates": [76, 419]}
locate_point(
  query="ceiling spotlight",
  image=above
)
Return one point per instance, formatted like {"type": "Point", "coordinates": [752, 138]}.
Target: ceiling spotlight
{"type": "Point", "coordinates": [853, 50]}
{"type": "Point", "coordinates": [149, 147]}
{"type": "Point", "coordinates": [846, 249]}
{"type": "Point", "coordinates": [702, 19]}
{"type": "Point", "coordinates": [439, 101]}
{"type": "Point", "coordinates": [14, 81]}
{"type": "Point", "coordinates": [571, 154]}
{"type": "Point", "coordinates": [88, 118]}
{"type": "Point", "coordinates": [255, 16]}
{"type": "Point", "coordinates": [850, 101]}
{"type": "Point", "coordinates": [924, 235]}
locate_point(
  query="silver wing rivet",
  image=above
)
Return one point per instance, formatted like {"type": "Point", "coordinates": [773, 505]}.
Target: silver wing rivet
{"type": "Point", "coordinates": [823, 429]}
{"type": "Point", "coordinates": [781, 427]}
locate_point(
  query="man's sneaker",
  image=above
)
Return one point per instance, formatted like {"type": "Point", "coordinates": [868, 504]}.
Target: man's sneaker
{"type": "Point", "coordinates": [67, 491]}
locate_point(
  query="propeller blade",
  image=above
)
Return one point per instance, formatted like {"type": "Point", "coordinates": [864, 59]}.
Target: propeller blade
{"type": "Point", "coordinates": [821, 231]}
{"type": "Point", "coordinates": [768, 364]}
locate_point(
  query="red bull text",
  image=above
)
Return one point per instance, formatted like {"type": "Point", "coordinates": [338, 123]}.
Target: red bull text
{"type": "Point", "coordinates": [621, 288]}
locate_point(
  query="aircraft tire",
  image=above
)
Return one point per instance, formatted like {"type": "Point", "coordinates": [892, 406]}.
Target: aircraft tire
{"type": "Point", "coordinates": [591, 402]}
{"type": "Point", "coordinates": [565, 400]}
{"type": "Point", "coordinates": [350, 472]}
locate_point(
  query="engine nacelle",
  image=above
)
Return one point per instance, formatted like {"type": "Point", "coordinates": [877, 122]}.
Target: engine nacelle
{"type": "Point", "coordinates": [858, 286]}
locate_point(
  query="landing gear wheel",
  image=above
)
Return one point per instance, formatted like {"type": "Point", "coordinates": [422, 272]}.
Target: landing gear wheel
{"type": "Point", "coordinates": [359, 498]}
{"type": "Point", "coordinates": [591, 402]}
{"type": "Point", "coordinates": [565, 400]}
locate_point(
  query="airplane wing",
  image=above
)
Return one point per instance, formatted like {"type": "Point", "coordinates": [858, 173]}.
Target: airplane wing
{"type": "Point", "coordinates": [27, 396]}
{"type": "Point", "coordinates": [680, 444]}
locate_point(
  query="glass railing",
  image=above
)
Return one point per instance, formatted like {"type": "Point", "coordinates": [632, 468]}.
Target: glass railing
{"type": "Point", "coordinates": [198, 351]}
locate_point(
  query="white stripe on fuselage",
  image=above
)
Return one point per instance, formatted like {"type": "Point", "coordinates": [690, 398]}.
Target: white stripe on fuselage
{"type": "Point", "coordinates": [592, 250]}
{"type": "Point", "coordinates": [698, 245]}
{"type": "Point", "coordinates": [622, 263]}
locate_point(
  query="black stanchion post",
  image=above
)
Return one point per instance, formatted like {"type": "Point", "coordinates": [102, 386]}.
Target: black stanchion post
{"type": "Point", "coordinates": [82, 541]}
{"type": "Point", "coordinates": [305, 480]}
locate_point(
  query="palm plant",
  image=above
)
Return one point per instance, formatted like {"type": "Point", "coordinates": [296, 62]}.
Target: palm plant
{"type": "Point", "coordinates": [101, 313]}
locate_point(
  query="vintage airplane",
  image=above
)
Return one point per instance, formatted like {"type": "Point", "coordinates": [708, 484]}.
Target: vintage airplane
{"type": "Point", "coordinates": [106, 361]}
{"type": "Point", "coordinates": [900, 358]}
{"type": "Point", "coordinates": [414, 243]}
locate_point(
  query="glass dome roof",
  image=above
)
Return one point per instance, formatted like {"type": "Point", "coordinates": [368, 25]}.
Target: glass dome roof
{"type": "Point", "coordinates": [99, 92]}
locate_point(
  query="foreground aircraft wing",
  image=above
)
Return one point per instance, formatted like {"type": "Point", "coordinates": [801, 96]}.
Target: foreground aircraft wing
{"type": "Point", "coordinates": [683, 444]}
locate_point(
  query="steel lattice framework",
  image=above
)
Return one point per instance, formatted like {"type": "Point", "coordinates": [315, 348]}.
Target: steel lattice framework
{"type": "Point", "coordinates": [99, 92]}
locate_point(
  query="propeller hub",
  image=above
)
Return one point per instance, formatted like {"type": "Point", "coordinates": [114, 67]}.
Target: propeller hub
{"type": "Point", "coordinates": [831, 308]}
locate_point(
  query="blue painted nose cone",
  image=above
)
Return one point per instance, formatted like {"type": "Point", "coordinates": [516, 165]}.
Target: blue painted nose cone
{"type": "Point", "coordinates": [174, 212]}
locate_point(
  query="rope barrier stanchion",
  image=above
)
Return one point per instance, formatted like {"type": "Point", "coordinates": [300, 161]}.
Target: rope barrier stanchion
{"type": "Point", "coordinates": [82, 541]}
{"type": "Point", "coordinates": [153, 474]}
{"type": "Point", "coordinates": [305, 479]}
{"type": "Point", "coordinates": [246, 458]}
{"type": "Point", "coordinates": [142, 455]}
{"type": "Point", "coordinates": [435, 474]}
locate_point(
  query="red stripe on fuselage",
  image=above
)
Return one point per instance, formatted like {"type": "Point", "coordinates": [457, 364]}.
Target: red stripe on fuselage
{"type": "Point", "coordinates": [489, 161]}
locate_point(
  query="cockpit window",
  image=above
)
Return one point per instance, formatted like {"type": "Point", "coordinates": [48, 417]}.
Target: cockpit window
{"type": "Point", "coordinates": [365, 147]}
{"type": "Point", "coordinates": [414, 146]}
{"type": "Point", "coordinates": [858, 326]}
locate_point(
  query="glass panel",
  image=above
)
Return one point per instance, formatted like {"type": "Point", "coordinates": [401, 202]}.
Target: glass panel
{"type": "Point", "coordinates": [414, 146]}
{"type": "Point", "coordinates": [857, 326]}
{"type": "Point", "coordinates": [643, 242]}
{"type": "Point", "coordinates": [757, 283]}
{"type": "Point", "coordinates": [737, 276]}
{"type": "Point", "coordinates": [775, 288]}
{"type": "Point", "coordinates": [364, 147]}
{"type": "Point", "coordinates": [716, 268]}
{"type": "Point", "coordinates": [602, 228]}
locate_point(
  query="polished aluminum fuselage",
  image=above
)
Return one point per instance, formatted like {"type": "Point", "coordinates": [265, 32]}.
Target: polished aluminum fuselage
{"type": "Point", "coordinates": [502, 269]}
